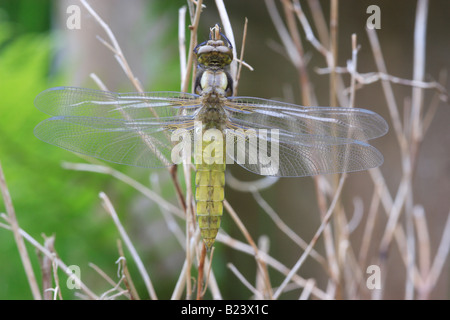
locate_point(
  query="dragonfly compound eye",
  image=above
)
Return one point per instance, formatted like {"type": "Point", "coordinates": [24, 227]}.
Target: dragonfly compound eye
{"type": "Point", "coordinates": [214, 54]}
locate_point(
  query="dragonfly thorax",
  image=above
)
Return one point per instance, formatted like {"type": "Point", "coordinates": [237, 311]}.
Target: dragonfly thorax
{"type": "Point", "coordinates": [213, 86]}
{"type": "Point", "coordinates": [213, 82]}
{"type": "Point", "coordinates": [212, 114]}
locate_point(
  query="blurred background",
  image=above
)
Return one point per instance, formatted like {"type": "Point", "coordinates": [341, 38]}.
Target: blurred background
{"type": "Point", "coordinates": [38, 51]}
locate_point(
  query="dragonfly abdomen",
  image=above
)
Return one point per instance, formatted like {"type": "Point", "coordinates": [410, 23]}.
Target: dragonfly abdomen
{"type": "Point", "coordinates": [209, 195]}
{"type": "Point", "coordinates": [210, 165]}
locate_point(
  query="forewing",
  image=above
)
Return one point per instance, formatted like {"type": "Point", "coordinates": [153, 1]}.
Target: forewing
{"type": "Point", "coordinates": [132, 129]}
{"type": "Point", "coordinates": [82, 102]}
{"type": "Point", "coordinates": [350, 123]}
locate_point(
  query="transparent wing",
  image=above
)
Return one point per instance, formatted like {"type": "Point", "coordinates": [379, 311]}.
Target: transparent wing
{"type": "Point", "coordinates": [350, 123]}
{"type": "Point", "coordinates": [81, 102]}
{"type": "Point", "coordinates": [133, 129]}
{"type": "Point", "coordinates": [297, 155]}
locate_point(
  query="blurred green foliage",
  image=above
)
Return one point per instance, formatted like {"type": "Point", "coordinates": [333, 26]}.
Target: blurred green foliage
{"type": "Point", "coordinates": [27, 15]}
{"type": "Point", "coordinates": [45, 196]}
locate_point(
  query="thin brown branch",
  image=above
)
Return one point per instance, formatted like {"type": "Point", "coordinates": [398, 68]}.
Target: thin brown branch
{"type": "Point", "coordinates": [387, 88]}
{"type": "Point", "coordinates": [102, 274]}
{"type": "Point", "coordinates": [60, 264]}
{"type": "Point", "coordinates": [114, 47]}
{"type": "Point", "coordinates": [12, 219]}
{"type": "Point", "coordinates": [201, 267]}
{"type": "Point", "coordinates": [260, 263]}
{"type": "Point", "coordinates": [441, 255]}
{"type": "Point", "coordinates": [285, 228]}
{"type": "Point", "coordinates": [190, 228]}
{"type": "Point", "coordinates": [208, 273]}
{"type": "Point", "coordinates": [420, 28]}
{"type": "Point", "coordinates": [270, 261]}
{"type": "Point", "coordinates": [244, 281]}
{"type": "Point", "coordinates": [318, 233]}
{"type": "Point", "coordinates": [333, 49]}
{"type": "Point", "coordinates": [192, 43]}
{"type": "Point", "coordinates": [433, 105]}
{"type": "Point", "coordinates": [372, 77]}
{"type": "Point", "coordinates": [127, 280]}
{"type": "Point", "coordinates": [241, 58]}
{"type": "Point", "coordinates": [178, 191]}
{"type": "Point", "coordinates": [307, 290]}
{"type": "Point", "coordinates": [140, 265]}
{"type": "Point", "coordinates": [305, 84]}
{"type": "Point", "coordinates": [369, 228]}
{"type": "Point", "coordinates": [46, 267]}
{"type": "Point", "coordinates": [182, 41]}
{"type": "Point", "coordinates": [283, 33]}
{"type": "Point", "coordinates": [128, 180]}
{"type": "Point", "coordinates": [353, 73]}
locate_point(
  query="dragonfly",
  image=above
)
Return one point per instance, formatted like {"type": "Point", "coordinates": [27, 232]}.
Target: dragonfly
{"type": "Point", "coordinates": [210, 128]}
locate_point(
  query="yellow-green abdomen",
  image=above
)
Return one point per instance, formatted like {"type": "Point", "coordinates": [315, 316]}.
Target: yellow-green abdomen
{"type": "Point", "coordinates": [209, 195]}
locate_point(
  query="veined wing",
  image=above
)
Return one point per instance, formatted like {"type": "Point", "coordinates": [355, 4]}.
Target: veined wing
{"type": "Point", "coordinates": [133, 129]}
{"type": "Point", "coordinates": [350, 123]}
{"type": "Point", "coordinates": [286, 154]}
{"type": "Point", "coordinates": [81, 102]}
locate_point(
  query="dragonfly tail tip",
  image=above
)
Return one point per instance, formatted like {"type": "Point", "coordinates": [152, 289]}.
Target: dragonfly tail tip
{"type": "Point", "coordinates": [208, 244]}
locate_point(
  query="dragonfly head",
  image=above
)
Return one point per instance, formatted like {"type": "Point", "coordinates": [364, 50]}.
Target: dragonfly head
{"type": "Point", "coordinates": [216, 52]}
